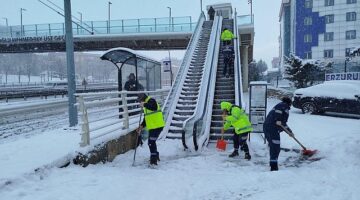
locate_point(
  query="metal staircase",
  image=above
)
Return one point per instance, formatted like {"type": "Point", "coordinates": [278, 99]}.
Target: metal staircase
{"type": "Point", "coordinates": [186, 103]}
{"type": "Point", "coordinates": [224, 91]}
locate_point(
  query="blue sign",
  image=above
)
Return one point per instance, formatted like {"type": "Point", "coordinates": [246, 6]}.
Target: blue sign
{"type": "Point", "coordinates": [343, 76]}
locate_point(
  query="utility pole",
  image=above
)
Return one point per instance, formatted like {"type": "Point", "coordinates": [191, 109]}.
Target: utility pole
{"type": "Point", "coordinates": [109, 3]}
{"type": "Point", "coordinates": [70, 64]}
{"type": "Point", "coordinates": [200, 6]}
{"type": "Point", "coordinates": [81, 31]}
{"type": "Point", "coordinates": [21, 21]}
{"type": "Point", "coordinates": [169, 17]}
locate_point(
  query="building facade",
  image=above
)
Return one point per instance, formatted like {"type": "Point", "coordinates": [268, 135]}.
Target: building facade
{"type": "Point", "coordinates": [325, 30]}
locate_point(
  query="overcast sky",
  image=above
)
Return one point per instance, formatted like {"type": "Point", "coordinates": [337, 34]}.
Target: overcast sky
{"type": "Point", "coordinates": [265, 11]}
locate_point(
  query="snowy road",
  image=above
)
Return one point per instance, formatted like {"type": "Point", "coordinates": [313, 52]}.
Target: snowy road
{"type": "Point", "coordinates": [211, 174]}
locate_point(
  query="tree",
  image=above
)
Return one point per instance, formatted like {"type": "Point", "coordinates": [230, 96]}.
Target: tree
{"type": "Point", "coordinates": [302, 74]}
{"type": "Point", "coordinates": [256, 70]}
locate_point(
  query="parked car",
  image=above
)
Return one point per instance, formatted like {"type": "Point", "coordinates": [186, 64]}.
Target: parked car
{"type": "Point", "coordinates": [330, 96]}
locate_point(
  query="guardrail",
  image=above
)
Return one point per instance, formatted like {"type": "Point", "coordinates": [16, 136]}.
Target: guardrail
{"type": "Point", "coordinates": [44, 92]}
{"type": "Point", "coordinates": [105, 113]}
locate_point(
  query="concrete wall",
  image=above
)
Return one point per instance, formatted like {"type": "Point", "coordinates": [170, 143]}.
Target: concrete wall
{"type": "Point", "coordinates": [106, 152]}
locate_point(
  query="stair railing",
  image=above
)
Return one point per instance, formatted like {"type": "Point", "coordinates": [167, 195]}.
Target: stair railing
{"type": "Point", "coordinates": [195, 126]}
{"type": "Point", "coordinates": [174, 94]}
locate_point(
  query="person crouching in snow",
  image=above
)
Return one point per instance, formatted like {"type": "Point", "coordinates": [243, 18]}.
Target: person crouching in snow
{"type": "Point", "coordinates": [153, 121]}
{"type": "Point", "coordinates": [235, 116]}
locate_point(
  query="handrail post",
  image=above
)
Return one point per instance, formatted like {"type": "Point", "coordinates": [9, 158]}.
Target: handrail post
{"type": "Point", "coordinates": [125, 110]}
{"type": "Point", "coordinates": [85, 136]}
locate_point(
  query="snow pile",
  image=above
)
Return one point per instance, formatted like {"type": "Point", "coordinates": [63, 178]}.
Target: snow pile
{"type": "Point", "coordinates": [204, 175]}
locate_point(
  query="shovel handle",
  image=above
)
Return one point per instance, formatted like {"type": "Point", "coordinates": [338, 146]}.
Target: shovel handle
{"type": "Point", "coordinates": [288, 132]}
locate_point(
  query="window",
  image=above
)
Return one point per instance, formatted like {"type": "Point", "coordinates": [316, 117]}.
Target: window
{"type": "Point", "coordinates": [347, 52]}
{"type": "Point", "coordinates": [350, 1]}
{"type": "Point", "coordinates": [329, 19]}
{"type": "Point", "coordinates": [329, 36]}
{"type": "Point", "coordinates": [350, 35]}
{"type": "Point", "coordinates": [351, 16]}
{"type": "Point", "coordinates": [329, 2]}
{"type": "Point", "coordinates": [307, 21]}
{"type": "Point", "coordinates": [307, 38]}
{"type": "Point", "coordinates": [308, 3]}
{"type": "Point", "coordinates": [308, 55]}
{"type": "Point", "coordinates": [328, 53]}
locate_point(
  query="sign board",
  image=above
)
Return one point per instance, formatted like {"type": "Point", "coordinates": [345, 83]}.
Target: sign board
{"type": "Point", "coordinates": [258, 96]}
{"type": "Point", "coordinates": [166, 65]}
{"type": "Point", "coordinates": [343, 76]}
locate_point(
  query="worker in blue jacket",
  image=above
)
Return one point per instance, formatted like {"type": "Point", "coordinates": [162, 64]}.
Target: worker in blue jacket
{"type": "Point", "coordinates": [276, 118]}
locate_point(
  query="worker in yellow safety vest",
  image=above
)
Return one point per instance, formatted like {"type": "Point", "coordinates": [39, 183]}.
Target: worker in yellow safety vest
{"type": "Point", "coordinates": [227, 36]}
{"type": "Point", "coordinates": [154, 123]}
{"type": "Point", "coordinates": [236, 117]}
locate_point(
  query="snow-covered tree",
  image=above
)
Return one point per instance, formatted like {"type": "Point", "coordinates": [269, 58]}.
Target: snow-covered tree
{"type": "Point", "coordinates": [303, 74]}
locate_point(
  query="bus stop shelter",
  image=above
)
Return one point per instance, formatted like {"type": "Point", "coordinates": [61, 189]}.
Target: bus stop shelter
{"type": "Point", "coordinates": [147, 71]}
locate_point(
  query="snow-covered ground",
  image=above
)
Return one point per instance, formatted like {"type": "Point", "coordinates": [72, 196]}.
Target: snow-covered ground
{"type": "Point", "coordinates": [209, 174]}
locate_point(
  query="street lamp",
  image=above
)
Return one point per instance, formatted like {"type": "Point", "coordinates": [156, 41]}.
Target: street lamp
{"type": "Point", "coordinates": [169, 17]}
{"type": "Point", "coordinates": [80, 17]}
{"type": "Point", "coordinates": [81, 30]}
{"type": "Point", "coordinates": [347, 59]}
{"type": "Point", "coordinates": [6, 20]}
{"type": "Point", "coordinates": [21, 21]}
{"type": "Point", "coordinates": [109, 3]}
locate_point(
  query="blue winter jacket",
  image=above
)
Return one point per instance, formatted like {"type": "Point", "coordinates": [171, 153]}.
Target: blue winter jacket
{"type": "Point", "coordinates": [280, 112]}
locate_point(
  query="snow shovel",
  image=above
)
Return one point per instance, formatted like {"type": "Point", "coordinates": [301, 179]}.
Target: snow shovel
{"type": "Point", "coordinates": [305, 152]}
{"type": "Point", "coordinates": [137, 139]}
{"type": "Point", "coordinates": [221, 144]}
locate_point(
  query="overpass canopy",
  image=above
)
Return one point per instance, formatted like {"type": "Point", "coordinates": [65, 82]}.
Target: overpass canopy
{"type": "Point", "coordinates": [147, 71]}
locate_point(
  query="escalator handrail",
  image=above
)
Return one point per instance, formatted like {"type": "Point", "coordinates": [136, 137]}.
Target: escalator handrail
{"type": "Point", "coordinates": [171, 99]}
{"type": "Point", "coordinates": [190, 125]}
{"type": "Point", "coordinates": [237, 64]}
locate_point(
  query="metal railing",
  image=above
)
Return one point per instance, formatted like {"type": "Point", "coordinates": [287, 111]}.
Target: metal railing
{"type": "Point", "coordinates": [244, 20]}
{"type": "Point", "coordinates": [146, 25]}
{"type": "Point", "coordinates": [111, 114]}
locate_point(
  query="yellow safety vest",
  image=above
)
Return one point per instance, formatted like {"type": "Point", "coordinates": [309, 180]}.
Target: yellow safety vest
{"type": "Point", "coordinates": [243, 124]}
{"type": "Point", "coordinates": [153, 119]}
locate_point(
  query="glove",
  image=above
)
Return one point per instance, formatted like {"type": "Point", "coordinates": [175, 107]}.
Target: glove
{"type": "Point", "coordinates": [140, 142]}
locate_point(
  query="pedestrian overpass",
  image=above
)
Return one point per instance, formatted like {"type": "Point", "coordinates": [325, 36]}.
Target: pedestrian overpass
{"type": "Point", "coordinates": [138, 34]}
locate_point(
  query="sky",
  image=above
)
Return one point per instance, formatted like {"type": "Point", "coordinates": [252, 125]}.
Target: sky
{"type": "Point", "coordinates": [265, 12]}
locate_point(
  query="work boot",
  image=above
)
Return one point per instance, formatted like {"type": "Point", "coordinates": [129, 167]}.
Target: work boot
{"type": "Point", "coordinates": [153, 160]}
{"type": "Point", "coordinates": [274, 167]}
{"type": "Point", "coordinates": [158, 156]}
{"type": "Point", "coordinates": [234, 153]}
{"type": "Point", "coordinates": [247, 156]}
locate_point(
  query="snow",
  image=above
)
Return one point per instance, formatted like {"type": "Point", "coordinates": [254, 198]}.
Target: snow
{"type": "Point", "coordinates": [209, 174]}
{"type": "Point", "coordinates": [336, 89]}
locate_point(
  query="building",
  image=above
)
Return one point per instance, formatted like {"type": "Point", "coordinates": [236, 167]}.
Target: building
{"type": "Point", "coordinates": [325, 30]}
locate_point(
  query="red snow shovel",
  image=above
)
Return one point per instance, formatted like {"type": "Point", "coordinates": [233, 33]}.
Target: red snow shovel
{"type": "Point", "coordinates": [305, 152]}
{"type": "Point", "coordinates": [221, 144]}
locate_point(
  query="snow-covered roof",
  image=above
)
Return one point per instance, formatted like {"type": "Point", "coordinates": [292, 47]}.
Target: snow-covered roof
{"type": "Point", "coordinates": [114, 55]}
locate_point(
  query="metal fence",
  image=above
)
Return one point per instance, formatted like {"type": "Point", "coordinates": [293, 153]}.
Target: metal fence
{"type": "Point", "coordinates": [106, 113]}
